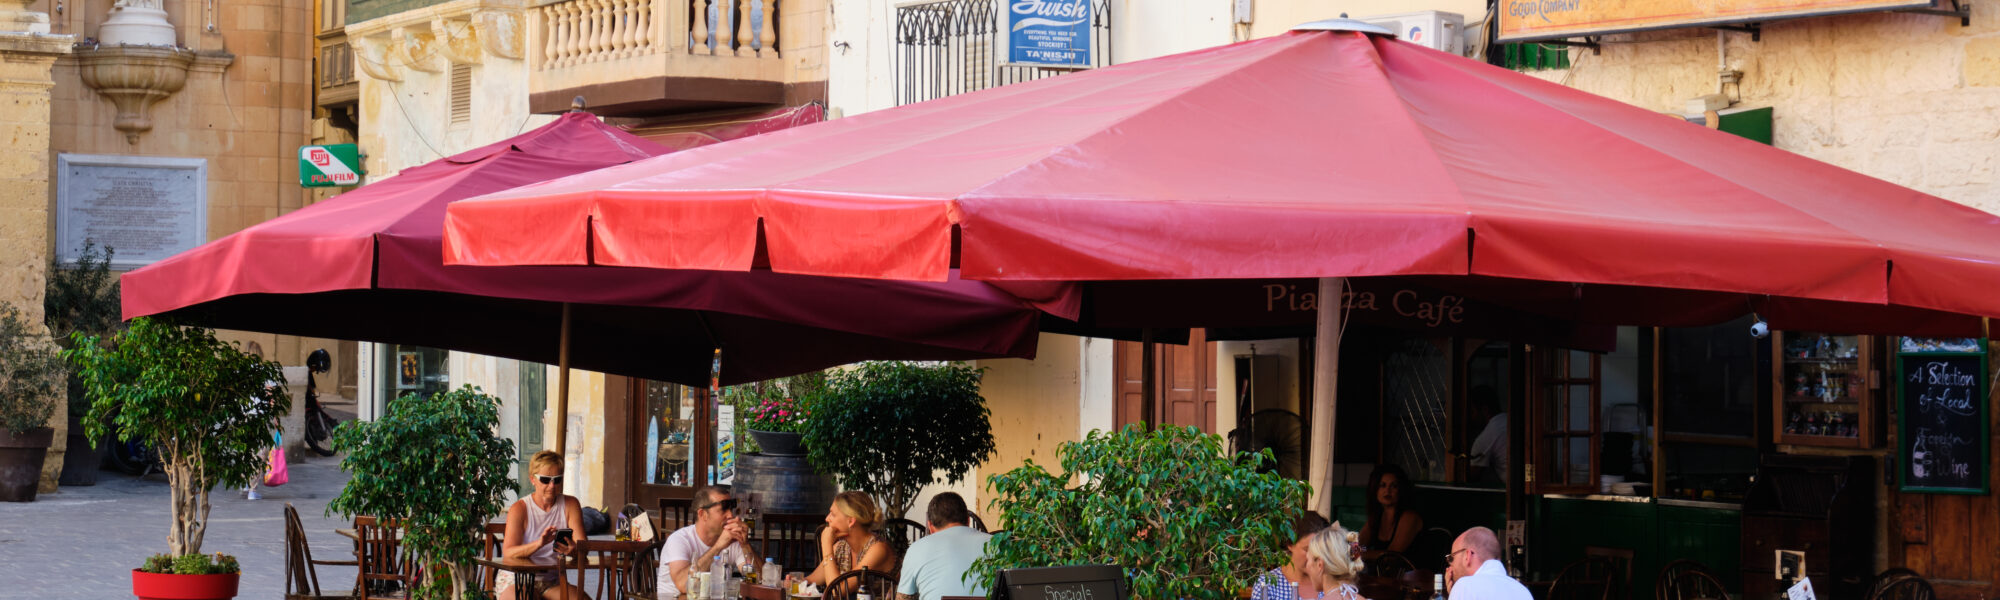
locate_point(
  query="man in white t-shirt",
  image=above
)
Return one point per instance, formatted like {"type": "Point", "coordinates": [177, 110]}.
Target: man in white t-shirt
{"type": "Point", "coordinates": [939, 565]}
{"type": "Point", "coordinates": [715, 535]}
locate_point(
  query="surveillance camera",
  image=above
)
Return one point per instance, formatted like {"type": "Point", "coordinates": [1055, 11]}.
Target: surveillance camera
{"type": "Point", "coordinates": [1760, 329]}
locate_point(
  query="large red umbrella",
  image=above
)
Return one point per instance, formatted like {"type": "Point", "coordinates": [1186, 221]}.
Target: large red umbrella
{"type": "Point", "coordinates": [1318, 154]}
{"type": "Point", "coordinates": [1310, 154]}
{"type": "Point", "coordinates": [366, 265]}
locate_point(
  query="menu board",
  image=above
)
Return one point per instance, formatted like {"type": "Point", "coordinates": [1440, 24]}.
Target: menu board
{"type": "Point", "coordinates": [1942, 414]}
{"type": "Point", "coordinates": [1080, 582]}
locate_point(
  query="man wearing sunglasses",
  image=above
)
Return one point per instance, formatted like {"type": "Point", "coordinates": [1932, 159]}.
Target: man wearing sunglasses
{"type": "Point", "coordinates": [1474, 569]}
{"type": "Point", "coordinates": [716, 535]}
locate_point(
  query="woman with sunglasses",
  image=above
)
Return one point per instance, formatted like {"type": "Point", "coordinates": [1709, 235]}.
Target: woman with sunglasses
{"type": "Point", "coordinates": [849, 541]}
{"type": "Point", "coordinates": [531, 528]}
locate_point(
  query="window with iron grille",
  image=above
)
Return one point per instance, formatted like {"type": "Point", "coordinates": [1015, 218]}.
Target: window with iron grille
{"type": "Point", "coordinates": [948, 47]}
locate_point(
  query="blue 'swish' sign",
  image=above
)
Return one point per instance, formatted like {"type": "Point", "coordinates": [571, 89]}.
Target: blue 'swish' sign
{"type": "Point", "coordinates": [1049, 33]}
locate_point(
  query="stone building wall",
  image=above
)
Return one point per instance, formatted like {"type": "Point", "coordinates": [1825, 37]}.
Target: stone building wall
{"type": "Point", "coordinates": [1912, 99]}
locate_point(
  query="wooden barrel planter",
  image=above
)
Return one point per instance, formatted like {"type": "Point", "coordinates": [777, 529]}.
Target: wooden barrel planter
{"type": "Point", "coordinates": [783, 484]}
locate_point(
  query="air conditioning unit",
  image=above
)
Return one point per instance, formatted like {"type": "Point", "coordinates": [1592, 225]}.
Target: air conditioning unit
{"type": "Point", "coordinates": [1434, 29]}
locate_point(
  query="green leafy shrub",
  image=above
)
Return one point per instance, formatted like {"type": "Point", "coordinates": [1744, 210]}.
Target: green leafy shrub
{"type": "Point", "coordinates": [890, 428]}
{"type": "Point", "coordinates": [31, 372]}
{"type": "Point", "coordinates": [436, 464]}
{"type": "Point", "coordinates": [82, 298]}
{"type": "Point", "coordinates": [191, 564]}
{"type": "Point", "coordinates": [204, 405]}
{"type": "Point", "coordinates": [1184, 519]}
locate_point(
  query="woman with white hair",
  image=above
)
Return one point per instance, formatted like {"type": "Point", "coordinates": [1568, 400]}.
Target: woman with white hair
{"type": "Point", "coordinates": [1331, 565]}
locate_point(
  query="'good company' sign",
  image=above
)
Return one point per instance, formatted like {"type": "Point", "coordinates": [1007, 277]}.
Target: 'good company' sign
{"type": "Point", "coordinates": [1526, 20]}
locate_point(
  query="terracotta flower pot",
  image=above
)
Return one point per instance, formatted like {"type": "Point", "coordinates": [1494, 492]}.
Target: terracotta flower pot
{"type": "Point", "coordinates": [160, 586]}
{"type": "Point", "coordinates": [21, 462]}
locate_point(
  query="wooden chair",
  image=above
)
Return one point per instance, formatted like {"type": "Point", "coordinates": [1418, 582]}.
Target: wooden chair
{"type": "Point", "coordinates": [1887, 577]}
{"type": "Point", "coordinates": [301, 570]}
{"type": "Point", "coordinates": [492, 540]}
{"type": "Point", "coordinates": [877, 583]}
{"type": "Point", "coordinates": [1621, 563]}
{"type": "Point", "coordinates": [1592, 578]}
{"type": "Point", "coordinates": [1389, 565]}
{"type": "Point", "coordinates": [792, 539]}
{"type": "Point", "coordinates": [901, 533]}
{"type": "Point", "coordinates": [675, 513]}
{"type": "Point", "coordinates": [640, 579]}
{"type": "Point", "coordinates": [978, 524]}
{"type": "Point", "coordinates": [1688, 580]}
{"type": "Point", "coordinates": [1909, 587]}
{"type": "Point", "coordinates": [386, 574]}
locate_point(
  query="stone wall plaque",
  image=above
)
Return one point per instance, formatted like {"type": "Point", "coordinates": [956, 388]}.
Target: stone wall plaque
{"type": "Point", "coordinates": [145, 207]}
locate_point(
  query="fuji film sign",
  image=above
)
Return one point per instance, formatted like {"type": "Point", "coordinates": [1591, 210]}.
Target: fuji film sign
{"type": "Point", "coordinates": [330, 165]}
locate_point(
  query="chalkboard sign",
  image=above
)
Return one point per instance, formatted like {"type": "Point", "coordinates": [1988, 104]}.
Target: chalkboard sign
{"type": "Point", "coordinates": [1942, 445]}
{"type": "Point", "coordinates": [1082, 582]}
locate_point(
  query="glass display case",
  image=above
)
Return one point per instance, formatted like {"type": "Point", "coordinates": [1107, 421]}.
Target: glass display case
{"type": "Point", "coordinates": [1825, 389]}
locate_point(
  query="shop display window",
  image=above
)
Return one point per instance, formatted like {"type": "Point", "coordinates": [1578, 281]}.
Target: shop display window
{"type": "Point", "coordinates": [1824, 389]}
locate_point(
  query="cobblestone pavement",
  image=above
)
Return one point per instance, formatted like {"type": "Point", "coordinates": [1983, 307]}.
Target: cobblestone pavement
{"type": "Point", "coordinates": [82, 542]}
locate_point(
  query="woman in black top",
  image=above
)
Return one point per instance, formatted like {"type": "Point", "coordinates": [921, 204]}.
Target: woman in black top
{"type": "Point", "coordinates": [1392, 526]}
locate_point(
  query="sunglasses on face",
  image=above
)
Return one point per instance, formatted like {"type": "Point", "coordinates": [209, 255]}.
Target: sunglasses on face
{"type": "Point", "coordinates": [728, 505]}
{"type": "Point", "coordinates": [550, 479]}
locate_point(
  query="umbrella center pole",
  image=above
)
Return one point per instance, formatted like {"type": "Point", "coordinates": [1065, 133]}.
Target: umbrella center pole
{"type": "Point", "coordinates": [562, 384]}
{"type": "Point", "coordinates": [1149, 395]}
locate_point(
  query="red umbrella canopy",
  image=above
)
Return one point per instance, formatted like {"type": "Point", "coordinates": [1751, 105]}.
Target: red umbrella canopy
{"type": "Point", "coordinates": [367, 265]}
{"type": "Point", "coordinates": [1311, 154]}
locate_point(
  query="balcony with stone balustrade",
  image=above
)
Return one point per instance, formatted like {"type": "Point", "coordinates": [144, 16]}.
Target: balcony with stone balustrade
{"type": "Point", "coordinates": [662, 57]}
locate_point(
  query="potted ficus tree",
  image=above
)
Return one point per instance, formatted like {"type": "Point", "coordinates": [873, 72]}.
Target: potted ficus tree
{"type": "Point", "coordinates": [31, 375]}
{"type": "Point", "coordinates": [207, 408]}
{"type": "Point", "coordinates": [81, 297]}
{"type": "Point", "coordinates": [1184, 519]}
{"type": "Point", "coordinates": [891, 428]}
{"type": "Point", "coordinates": [442, 501]}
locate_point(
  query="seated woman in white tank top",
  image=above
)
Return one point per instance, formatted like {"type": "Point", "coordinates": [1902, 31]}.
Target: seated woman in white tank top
{"type": "Point", "coordinates": [531, 527]}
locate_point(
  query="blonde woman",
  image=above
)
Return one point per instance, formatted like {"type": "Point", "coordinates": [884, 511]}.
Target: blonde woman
{"type": "Point", "coordinates": [532, 523]}
{"type": "Point", "coordinates": [1330, 565]}
{"type": "Point", "coordinates": [849, 541]}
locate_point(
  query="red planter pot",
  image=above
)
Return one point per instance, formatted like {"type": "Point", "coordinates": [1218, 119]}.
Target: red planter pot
{"type": "Point", "coordinates": [157, 586]}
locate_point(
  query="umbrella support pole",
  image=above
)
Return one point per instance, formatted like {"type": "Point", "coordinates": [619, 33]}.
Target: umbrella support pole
{"type": "Point", "coordinates": [1148, 378]}
{"type": "Point", "coordinates": [562, 384]}
{"type": "Point", "coordinates": [1328, 326]}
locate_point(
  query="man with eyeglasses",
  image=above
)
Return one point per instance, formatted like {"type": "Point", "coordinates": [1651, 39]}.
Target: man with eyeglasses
{"type": "Point", "coordinates": [715, 535]}
{"type": "Point", "coordinates": [1474, 569]}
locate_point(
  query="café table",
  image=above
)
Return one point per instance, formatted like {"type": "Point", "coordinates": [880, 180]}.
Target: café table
{"type": "Point", "coordinates": [524, 570]}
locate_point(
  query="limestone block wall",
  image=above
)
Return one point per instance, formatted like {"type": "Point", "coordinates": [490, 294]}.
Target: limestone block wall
{"type": "Point", "coordinates": [1911, 99]}
{"type": "Point", "coordinates": [245, 110]}
{"type": "Point", "coordinates": [25, 63]}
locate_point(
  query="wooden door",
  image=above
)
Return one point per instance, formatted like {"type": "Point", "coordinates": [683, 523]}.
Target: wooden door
{"type": "Point", "coordinates": [1185, 382]}
{"type": "Point", "coordinates": [673, 440]}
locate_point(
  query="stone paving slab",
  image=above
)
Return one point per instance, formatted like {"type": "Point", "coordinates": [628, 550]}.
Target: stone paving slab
{"type": "Point", "coordinates": [82, 542]}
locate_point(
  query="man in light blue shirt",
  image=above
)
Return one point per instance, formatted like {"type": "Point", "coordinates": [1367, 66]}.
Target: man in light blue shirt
{"type": "Point", "coordinates": [940, 564]}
